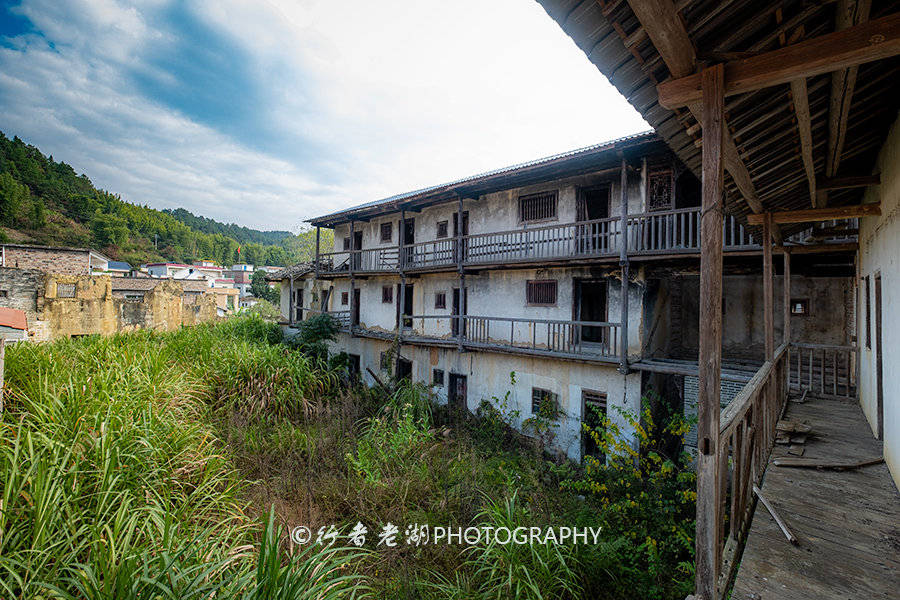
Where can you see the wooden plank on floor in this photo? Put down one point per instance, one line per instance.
(848, 522)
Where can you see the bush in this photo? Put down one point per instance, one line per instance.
(647, 499)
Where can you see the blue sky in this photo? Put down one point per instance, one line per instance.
(266, 113)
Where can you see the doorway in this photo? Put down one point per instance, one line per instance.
(465, 232)
(404, 305)
(357, 245)
(593, 414)
(456, 392)
(591, 305)
(404, 368)
(409, 237)
(593, 204)
(354, 312)
(879, 353)
(459, 324)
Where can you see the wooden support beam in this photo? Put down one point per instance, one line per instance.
(710, 352)
(804, 126)
(841, 183)
(318, 234)
(623, 263)
(291, 300)
(813, 215)
(659, 18)
(768, 288)
(786, 293)
(867, 42)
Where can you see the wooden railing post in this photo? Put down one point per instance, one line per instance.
(787, 295)
(768, 288)
(291, 299)
(710, 350)
(318, 233)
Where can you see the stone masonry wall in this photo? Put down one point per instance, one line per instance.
(58, 261)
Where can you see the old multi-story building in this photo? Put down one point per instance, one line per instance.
(53, 259)
(520, 271)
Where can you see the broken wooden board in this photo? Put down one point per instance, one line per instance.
(793, 427)
(796, 450)
(814, 463)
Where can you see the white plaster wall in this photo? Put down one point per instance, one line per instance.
(488, 378)
(879, 252)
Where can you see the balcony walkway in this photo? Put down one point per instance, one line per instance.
(847, 522)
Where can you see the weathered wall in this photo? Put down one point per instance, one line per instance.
(879, 253)
(95, 308)
(55, 260)
(742, 317)
(488, 378)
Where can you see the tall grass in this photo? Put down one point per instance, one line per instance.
(115, 486)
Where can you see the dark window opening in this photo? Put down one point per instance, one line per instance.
(346, 243)
(440, 300)
(544, 402)
(404, 368)
(353, 367)
(538, 207)
(442, 229)
(799, 307)
(387, 294)
(298, 305)
(437, 377)
(345, 298)
(387, 231)
(3, 293)
(385, 361)
(404, 305)
(456, 392)
(540, 292)
(593, 414)
(593, 204)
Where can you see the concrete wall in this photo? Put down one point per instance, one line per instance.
(488, 378)
(95, 308)
(879, 253)
(50, 260)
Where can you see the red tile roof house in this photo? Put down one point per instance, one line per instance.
(13, 327)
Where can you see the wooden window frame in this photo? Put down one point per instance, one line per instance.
(440, 300)
(386, 231)
(387, 294)
(346, 244)
(438, 377)
(538, 395)
(443, 229)
(345, 298)
(533, 294)
(536, 214)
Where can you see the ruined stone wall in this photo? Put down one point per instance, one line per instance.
(65, 305)
(49, 260)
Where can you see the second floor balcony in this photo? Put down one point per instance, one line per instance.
(662, 233)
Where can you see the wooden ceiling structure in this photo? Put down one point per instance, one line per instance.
(794, 145)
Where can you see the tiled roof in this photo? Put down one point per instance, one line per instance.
(13, 318)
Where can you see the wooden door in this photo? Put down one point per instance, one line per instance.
(355, 308)
(456, 392)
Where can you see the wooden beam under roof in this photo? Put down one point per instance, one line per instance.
(867, 42)
(843, 183)
(818, 214)
(661, 21)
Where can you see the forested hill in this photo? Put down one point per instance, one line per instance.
(43, 201)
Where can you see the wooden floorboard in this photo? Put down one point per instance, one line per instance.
(847, 523)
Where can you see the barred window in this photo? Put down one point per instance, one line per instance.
(387, 231)
(544, 402)
(538, 207)
(65, 290)
(440, 300)
(345, 298)
(387, 294)
(540, 292)
(442, 229)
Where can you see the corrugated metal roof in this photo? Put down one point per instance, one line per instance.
(424, 192)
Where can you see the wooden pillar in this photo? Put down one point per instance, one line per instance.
(768, 288)
(350, 260)
(787, 295)
(710, 351)
(318, 234)
(401, 301)
(460, 322)
(291, 299)
(623, 263)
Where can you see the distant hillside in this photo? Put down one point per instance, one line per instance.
(45, 202)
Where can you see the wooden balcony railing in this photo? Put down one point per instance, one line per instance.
(598, 339)
(342, 316)
(828, 371)
(746, 437)
(651, 233)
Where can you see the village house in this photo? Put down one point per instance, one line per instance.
(530, 282)
(59, 260)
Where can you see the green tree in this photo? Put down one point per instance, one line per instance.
(12, 196)
(260, 288)
(109, 230)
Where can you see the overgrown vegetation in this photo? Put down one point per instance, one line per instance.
(172, 465)
(44, 201)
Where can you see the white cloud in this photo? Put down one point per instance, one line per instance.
(406, 94)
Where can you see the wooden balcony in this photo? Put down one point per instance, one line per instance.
(663, 233)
